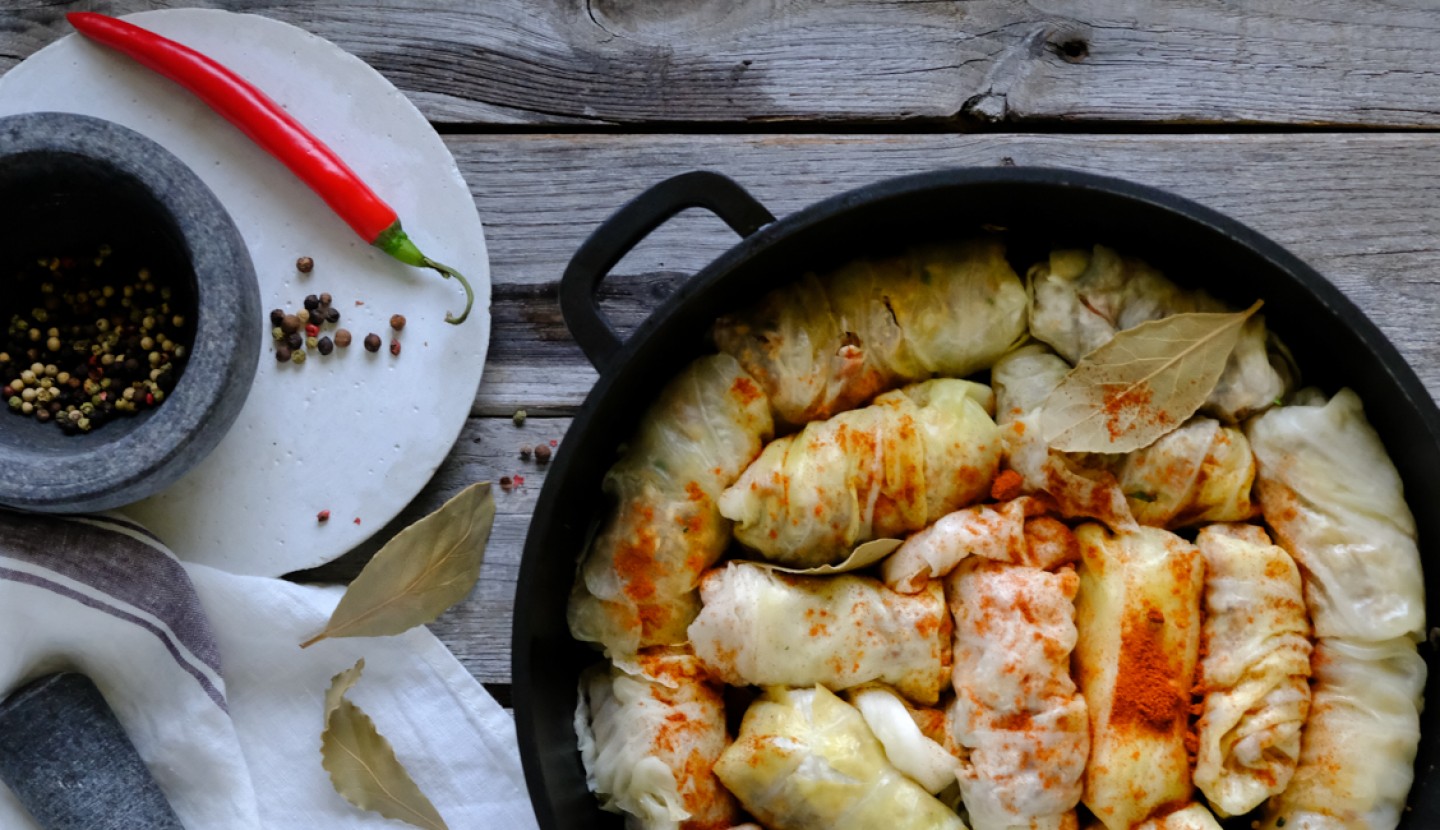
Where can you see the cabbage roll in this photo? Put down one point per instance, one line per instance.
(1138, 616)
(653, 737)
(1200, 472)
(1357, 753)
(824, 345)
(1336, 504)
(636, 587)
(1189, 817)
(1017, 715)
(906, 734)
(804, 760)
(1080, 485)
(766, 628)
(1080, 299)
(1256, 672)
(1012, 531)
(911, 457)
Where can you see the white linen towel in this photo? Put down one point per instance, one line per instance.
(203, 670)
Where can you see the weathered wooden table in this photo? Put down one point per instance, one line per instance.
(1314, 122)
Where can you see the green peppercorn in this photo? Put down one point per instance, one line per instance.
(298, 357)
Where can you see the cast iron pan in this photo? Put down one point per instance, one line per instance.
(1034, 209)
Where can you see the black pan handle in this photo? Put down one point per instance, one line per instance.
(625, 229)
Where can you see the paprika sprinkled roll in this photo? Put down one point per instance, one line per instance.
(275, 131)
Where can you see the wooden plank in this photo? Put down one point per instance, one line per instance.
(976, 63)
(1360, 208)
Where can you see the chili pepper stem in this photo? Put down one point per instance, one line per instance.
(394, 241)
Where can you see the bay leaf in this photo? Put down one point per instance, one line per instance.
(428, 567)
(362, 764)
(863, 556)
(1143, 383)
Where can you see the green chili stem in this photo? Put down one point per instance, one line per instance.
(397, 244)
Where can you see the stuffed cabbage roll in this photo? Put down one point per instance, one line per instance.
(1357, 753)
(911, 457)
(1336, 504)
(1017, 715)
(1082, 486)
(824, 345)
(654, 736)
(636, 587)
(1015, 531)
(1255, 676)
(766, 628)
(1080, 299)
(913, 739)
(1138, 617)
(804, 760)
(1189, 817)
(1199, 472)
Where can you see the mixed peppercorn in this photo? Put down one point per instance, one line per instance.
(90, 339)
(297, 332)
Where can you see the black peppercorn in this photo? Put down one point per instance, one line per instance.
(294, 339)
(332, 315)
(282, 353)
(276, 315)
(372, 342)
(325, 345)
(312, 302)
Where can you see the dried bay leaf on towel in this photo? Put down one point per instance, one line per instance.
(428, 567)
(362, 765)
(1142, 384)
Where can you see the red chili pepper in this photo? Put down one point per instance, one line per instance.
(275, 130)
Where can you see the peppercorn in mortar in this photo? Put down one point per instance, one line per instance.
(90, 338)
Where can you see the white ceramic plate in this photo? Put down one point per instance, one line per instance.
(356, 433)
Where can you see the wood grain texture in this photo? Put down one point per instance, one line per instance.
(972, 62)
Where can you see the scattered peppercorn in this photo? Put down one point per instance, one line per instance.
(304, 264)
(332, 315)
(282, 353)
(397, 322)
(542, 454)
(276, 315)
(395, 347)
(289, 323)
(325, 346)
(519, 480)
(303, 315)
(525, 452)
(518, 418)
(505, 482)
(342, 338)
(312, 330)
(325, 299)
(554, 443)
(311, 302)
(372, 342)
(294, 340)
(298, 356)
(322, 516)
